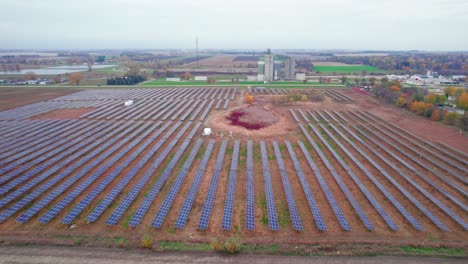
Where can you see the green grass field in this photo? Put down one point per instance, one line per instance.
(348, 69)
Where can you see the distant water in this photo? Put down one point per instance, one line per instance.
(58, 69)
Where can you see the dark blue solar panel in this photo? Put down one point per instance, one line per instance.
(187, 206)
(293, 212)
(229, 202)
(250, 191)
(320, 223)
(270, 198)
(166, 205)
(206, 211)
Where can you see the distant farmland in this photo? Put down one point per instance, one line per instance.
(348, 69)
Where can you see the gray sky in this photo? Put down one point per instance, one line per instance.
(256, 24)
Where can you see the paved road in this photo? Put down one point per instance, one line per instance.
(72, 255)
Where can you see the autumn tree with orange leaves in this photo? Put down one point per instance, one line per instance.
(249, 99)
(75, 78)
(462, 101)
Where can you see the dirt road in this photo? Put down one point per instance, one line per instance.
(71, 255)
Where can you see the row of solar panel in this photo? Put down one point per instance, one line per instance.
(108, 138)
(78, 149)
(410, 218)
(141, 94)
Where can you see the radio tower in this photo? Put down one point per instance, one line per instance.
(196, 44)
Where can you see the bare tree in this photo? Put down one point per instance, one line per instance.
(30, 75)
(90, 62)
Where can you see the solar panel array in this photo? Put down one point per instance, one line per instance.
(111, 176)
(87, 145)
(106, 134)
(326, 190)
(139, 134)
(141, 211)
(187, 206)
(319, 222)
(166, 205)
(250, 190)
(270, 198)
(210, 196)
(449, 212)
(229, 201)
(293, 212)
(388, 220)
(128, 200)
(357, 208)
(45, 165)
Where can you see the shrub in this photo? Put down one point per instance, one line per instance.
(216, 245)
(146, 241)
(451, 118)
(420, 107)
(304, 98)
(436, 115)
(249, 99)
(232, 246)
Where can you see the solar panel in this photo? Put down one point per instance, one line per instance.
(208, 205)
(48, 185)
(166, 205)
(421, 207)
(293, 212)
(330, 197)
(141, 211)
(229, 201)
(319, 222)
(187, 206)
(111, 176)
(128, 200)
(97, 157)
(250, 193)
(357, 208)
(89, 144)
(388, 220)
(270, 198)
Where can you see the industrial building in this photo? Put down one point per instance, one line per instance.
(289, 69)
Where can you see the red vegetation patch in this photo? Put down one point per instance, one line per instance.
(253, 117)
(236, 119)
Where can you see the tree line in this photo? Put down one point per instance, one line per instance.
(425, 103)
(445, 64)
(126, 80)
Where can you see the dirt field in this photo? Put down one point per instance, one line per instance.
(219, 61)
(14, 97)
(371, 127)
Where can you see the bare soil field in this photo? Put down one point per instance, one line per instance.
(331, 63)
(14, 97)
(218, 61)
(369, 126)
(67, 114)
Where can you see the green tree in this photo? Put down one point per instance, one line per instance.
(343, 79)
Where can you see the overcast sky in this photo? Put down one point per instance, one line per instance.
(225, 24)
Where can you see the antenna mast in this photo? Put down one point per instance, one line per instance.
(196, 43)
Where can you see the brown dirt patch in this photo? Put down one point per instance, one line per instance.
(70, 113)
(14, 97)
(280, 122)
